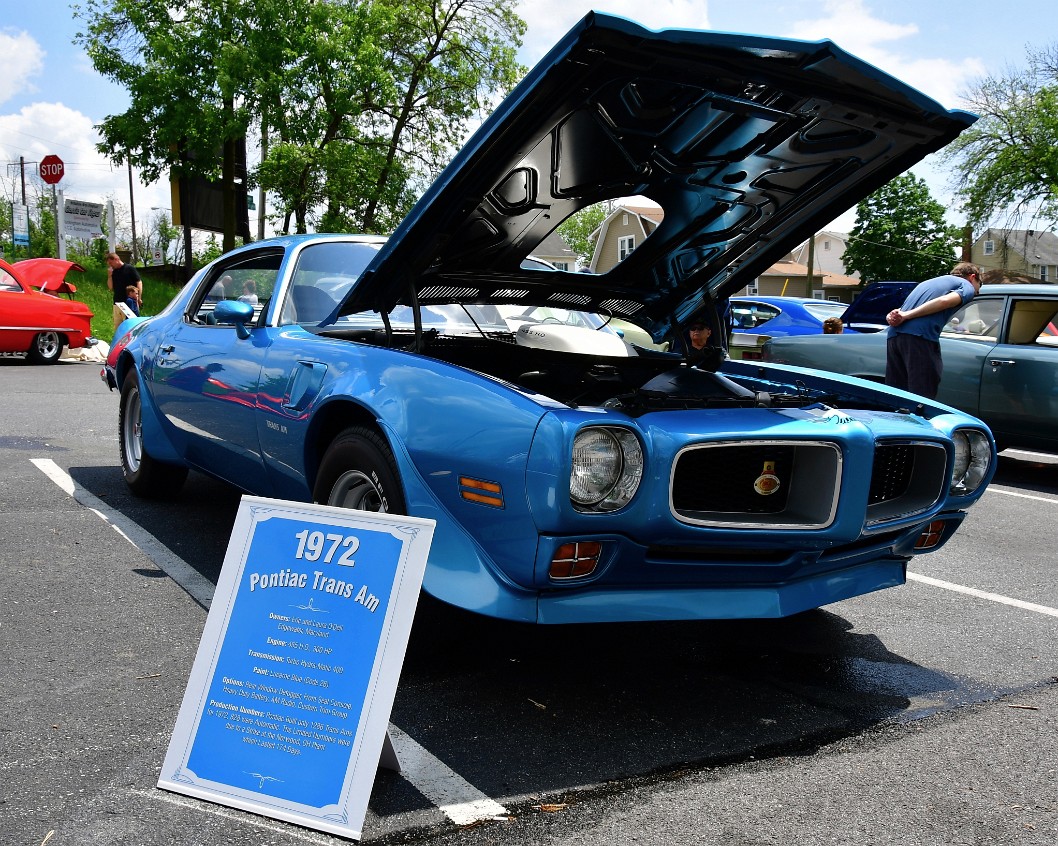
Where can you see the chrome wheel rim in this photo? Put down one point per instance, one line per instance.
(132, 434)
(354, 489)
(48, 344)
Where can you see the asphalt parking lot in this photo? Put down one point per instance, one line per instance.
(926, 713)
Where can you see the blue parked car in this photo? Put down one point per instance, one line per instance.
(573, 477)
(777, 316)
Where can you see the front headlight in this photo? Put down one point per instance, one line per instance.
(606, 469)
(973, 456)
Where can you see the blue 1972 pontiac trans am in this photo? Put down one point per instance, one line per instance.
(575, 477)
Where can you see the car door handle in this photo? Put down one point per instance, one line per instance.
(999, 362)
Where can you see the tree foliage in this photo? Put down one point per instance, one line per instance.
(189, 72)
(1006, 164)
(900, 233)
(361, 103)
(576, 230)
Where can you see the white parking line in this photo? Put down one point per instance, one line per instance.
(459, 800)
(1024, 496)
(982, 594)
(198, 586)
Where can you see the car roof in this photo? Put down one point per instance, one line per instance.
(1042, 289)
(778, 301)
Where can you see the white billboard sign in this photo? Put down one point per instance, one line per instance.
(83, 220)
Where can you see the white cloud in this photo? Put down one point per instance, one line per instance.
(23, 58)
(548, 20)
(856, 29)
(44, 129)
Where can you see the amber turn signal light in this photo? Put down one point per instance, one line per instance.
(575, 560)
(931, 535)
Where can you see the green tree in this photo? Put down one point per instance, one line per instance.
(1006, 164)
(362, 103)
(370, 101)
(900, 233)
(190, 74)
(576, 230)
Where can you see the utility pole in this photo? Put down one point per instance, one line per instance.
(811, 261)
(22, 169)
(260, 189)
(132, 212)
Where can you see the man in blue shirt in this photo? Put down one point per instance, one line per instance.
(913, 360)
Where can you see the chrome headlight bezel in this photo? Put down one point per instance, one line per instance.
(606, 468)
(973, 459)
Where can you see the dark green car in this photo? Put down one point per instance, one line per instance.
(1000, 361)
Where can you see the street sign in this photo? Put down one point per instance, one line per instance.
(51, 169)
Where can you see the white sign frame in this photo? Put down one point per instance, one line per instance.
(261, 742)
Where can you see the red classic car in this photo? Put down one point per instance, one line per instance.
(40, 324)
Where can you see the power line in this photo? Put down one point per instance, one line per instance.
(895, 249)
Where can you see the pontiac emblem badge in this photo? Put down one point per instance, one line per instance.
(767, 482)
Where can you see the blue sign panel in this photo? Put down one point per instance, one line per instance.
(286, 709)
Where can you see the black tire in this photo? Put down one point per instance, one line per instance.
(358, 471)
(46, 348)
(145, 476)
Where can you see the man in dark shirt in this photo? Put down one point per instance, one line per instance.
(119, 277)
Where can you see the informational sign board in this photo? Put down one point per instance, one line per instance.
(20, 224)
(286, 710)
(83, 220)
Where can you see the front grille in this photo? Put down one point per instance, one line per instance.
(907, 478)
(891, 473)
(777, 484)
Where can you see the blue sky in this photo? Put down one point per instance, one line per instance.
(50, 97)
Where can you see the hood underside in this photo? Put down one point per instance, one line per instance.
(749, 144)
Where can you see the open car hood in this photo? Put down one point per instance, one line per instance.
(48, 274)
(867, 312)
(750, 144)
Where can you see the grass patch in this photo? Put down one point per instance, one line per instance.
(92, 290)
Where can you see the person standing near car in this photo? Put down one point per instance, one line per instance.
(913, 359)
(119, 277)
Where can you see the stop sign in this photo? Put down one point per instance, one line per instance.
(51, 169)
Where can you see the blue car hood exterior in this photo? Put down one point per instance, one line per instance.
(750, 144)
(867, 312)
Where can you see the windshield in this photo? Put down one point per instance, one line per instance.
(475, 319)
(823, 309)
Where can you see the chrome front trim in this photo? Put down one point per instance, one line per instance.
(810, 482)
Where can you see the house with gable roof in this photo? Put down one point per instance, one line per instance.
(1016, 253)
(555, 250)
(623, 229)
(627, 226)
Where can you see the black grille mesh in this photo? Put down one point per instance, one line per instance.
(892, 471)
(720, 479)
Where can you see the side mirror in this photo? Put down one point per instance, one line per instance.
(235, 312)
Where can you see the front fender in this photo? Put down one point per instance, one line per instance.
(458, 571)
